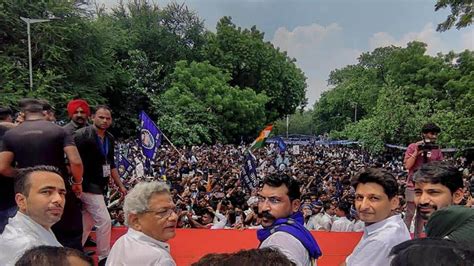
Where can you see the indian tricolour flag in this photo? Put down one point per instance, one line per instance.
(260, 141)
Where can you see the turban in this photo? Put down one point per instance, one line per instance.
(74, 104)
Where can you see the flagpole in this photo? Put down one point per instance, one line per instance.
(171, 143)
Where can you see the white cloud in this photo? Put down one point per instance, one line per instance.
(428, 35)
(318, 50)
(467, 40)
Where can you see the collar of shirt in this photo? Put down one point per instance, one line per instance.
(25, 222)
(379, 226)
(142, 237)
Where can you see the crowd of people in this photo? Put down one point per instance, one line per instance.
(58, 183)
(209, 193)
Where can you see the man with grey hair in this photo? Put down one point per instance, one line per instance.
(151, 220)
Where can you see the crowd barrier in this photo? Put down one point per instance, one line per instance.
(190, 245)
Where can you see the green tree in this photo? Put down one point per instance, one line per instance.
(67, 54)
(256, 64)
(200, 107)
(415, 88)
(300, 122)
(144, 41)
(461, 16)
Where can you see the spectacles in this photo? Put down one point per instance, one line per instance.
(165, 213)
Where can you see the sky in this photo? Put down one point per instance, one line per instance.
(323, 35)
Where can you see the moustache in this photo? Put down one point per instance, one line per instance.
(427, 205)
(267, 215)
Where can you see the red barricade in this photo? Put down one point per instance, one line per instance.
(190, 245)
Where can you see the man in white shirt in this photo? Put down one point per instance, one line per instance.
(150, 215)
(283, 224)
(376, 198)
(322, 221)
(40, 196)
(342, 224)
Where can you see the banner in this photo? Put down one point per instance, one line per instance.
(150, 136)
(124, 167)
(248, 175)
(296, 149)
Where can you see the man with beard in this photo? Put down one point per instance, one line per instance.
(283, 224)
(79, 112)
(96, 146)
(417, 154)
(437, 185)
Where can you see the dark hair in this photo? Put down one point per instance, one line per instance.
(439, 172)
(5, 112)
(279, 179)
(345, 207)
(430, 127)
(48, 255)
(46, 105)
(22, 180)
(206, 211)
(255, 257)
(31, 105)
(378, 176)
(102, 106)
(431, 251)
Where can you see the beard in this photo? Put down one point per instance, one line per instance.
(424, 215)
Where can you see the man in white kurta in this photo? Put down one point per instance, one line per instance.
(149, 213)
(21, 234)
(145, 250)
(40, 197)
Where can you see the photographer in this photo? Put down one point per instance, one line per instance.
(417, 154)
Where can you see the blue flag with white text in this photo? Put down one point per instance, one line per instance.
(150, 136)
(248, 175)
(124, 168)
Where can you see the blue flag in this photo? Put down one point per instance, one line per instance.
(281, 144)
(150, 136)
(248, 175)
(124, 168)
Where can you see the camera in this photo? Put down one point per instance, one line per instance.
(427, 146)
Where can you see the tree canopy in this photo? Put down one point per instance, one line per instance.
(134, 58)
(395, 91)
(462, 14)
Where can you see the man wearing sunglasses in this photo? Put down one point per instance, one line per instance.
(283, 224)
(151, 219)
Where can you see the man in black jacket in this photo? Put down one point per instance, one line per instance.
(39, 142)
(96, 146)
